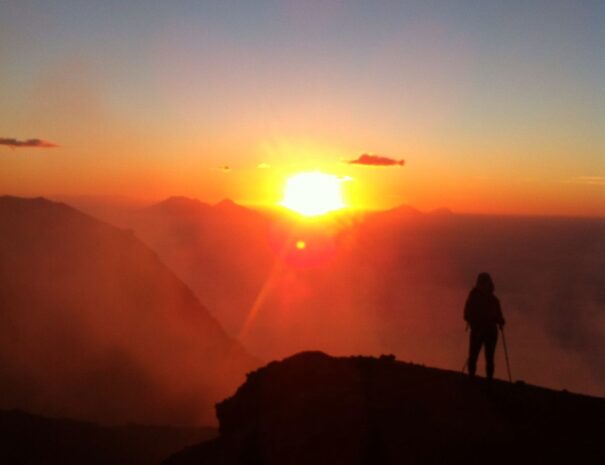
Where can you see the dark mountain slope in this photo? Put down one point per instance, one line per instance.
(223, 252)
(94, 326)
(315, 409)
(35, 440)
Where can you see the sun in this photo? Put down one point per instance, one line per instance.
(313, 194)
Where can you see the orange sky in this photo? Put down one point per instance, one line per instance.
(494, 111)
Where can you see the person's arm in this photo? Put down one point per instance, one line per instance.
(467, 309)
(501, 320)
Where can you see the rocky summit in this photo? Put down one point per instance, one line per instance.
(316, 409)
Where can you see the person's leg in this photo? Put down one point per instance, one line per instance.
(473, 352)
(491, 338)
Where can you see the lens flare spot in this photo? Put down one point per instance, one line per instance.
(300, 245)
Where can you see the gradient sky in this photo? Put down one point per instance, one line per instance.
(495, 106)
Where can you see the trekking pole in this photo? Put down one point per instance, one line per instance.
(465, 366)
(510, 378)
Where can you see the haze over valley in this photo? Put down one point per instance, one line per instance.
(390, 282)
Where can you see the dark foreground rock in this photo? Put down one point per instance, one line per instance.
(27, 439)
(314, 409)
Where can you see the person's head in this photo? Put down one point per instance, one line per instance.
(485, 283)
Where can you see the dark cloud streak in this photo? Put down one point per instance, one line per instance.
(36, 143)
(376, 160)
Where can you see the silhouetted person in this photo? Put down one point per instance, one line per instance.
(483, 314)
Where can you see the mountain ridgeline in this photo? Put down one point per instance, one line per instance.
(94, 326)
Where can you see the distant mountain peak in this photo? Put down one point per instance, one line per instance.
(181, 205)
(442, 211)
(227, 203)
(181, 200)
(407, 209)
(229, 208)
(13, 200)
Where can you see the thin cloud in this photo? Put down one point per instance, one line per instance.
(375, 160)
(35, 143)
(588, 180)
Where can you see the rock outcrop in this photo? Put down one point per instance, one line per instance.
(314, 409)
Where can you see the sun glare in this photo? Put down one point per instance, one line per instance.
(313, 194)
